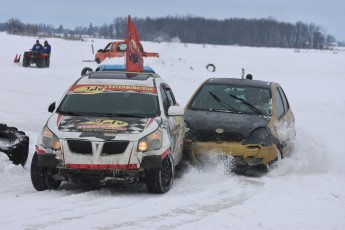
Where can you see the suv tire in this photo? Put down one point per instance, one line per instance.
(160, 180)
(41, 176)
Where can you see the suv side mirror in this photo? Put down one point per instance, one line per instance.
(51, 107)
(175, 110)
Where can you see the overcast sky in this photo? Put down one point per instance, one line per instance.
(329, 14)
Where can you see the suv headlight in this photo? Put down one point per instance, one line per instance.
(153, 141)
(50, 140)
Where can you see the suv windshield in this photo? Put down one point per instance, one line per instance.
(233, 98)
(127, 104)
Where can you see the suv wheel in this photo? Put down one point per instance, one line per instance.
(41, 177)
(160, 180)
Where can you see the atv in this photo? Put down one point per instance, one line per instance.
(35, 57)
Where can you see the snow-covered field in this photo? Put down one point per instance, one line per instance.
(306, 191)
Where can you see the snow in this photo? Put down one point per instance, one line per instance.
(305, 191)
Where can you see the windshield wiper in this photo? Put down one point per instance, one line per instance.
(222, 103)
(250, 106)
(69, 113)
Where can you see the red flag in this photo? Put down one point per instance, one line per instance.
(134, 57)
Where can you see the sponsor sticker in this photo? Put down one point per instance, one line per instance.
(107, 124)
(92, 89)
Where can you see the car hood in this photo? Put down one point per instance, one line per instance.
(105, 128)
(229, 122)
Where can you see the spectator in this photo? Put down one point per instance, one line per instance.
(46, 52)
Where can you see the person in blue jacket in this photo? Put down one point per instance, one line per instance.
(37, 47)
(46, 49)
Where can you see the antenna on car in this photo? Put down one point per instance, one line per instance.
(242, 73)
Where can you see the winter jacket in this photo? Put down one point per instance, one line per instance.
(37, 47)
(46, 49)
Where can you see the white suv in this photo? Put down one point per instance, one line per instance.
(110, 127)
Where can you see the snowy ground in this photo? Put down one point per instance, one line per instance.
(306, 191)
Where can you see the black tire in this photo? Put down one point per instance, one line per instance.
(98, 61)
(41, 177)
(211, 67)
(46, 62)
(85, 71)
(275, 162)
(25, 62)
(37, 175)
(40, 63)
(239, 170)
(160, 180)
(18, 148)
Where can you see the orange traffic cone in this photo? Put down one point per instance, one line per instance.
(16, 58)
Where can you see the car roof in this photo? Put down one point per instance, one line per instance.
(240, 82)
(147, 69)
(120, 77)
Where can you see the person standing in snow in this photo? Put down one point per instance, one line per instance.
(46, 52)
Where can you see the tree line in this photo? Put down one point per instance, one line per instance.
(265, 32)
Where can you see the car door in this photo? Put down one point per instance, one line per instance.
(285, 124)
(120, 50)
(112, 51)
(175, 123)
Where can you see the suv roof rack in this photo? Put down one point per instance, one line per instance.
(147, 69)
(121, 75)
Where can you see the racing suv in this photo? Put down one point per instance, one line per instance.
(109, 127)
(246, 124)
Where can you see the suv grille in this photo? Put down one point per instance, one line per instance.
(205, 136)
(114, 147)
(81, 147)
(109, 148)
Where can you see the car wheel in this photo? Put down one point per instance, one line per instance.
(25, 62)
(160, 180)
(239, 170)
(275, 162)
(41, 177)
(39, 63)
(46, 62)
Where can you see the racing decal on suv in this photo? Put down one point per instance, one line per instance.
(89, 89)
(97, 125)
(92, 89)
(103, 124)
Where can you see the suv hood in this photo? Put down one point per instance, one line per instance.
(105, 128)
(229, 122)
